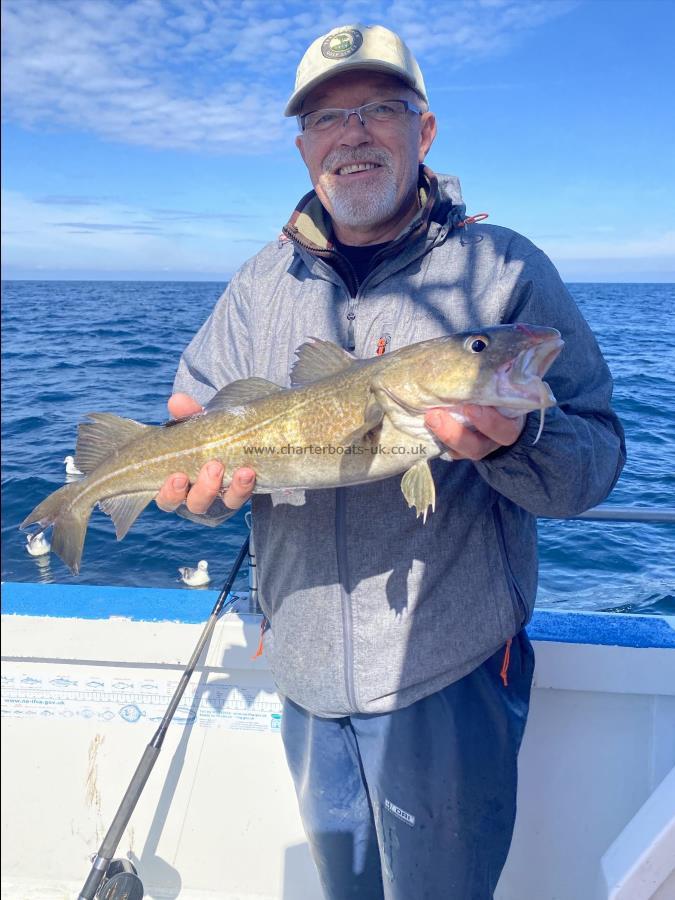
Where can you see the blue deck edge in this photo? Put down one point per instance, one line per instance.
(193, 606)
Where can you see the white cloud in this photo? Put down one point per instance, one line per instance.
(84, 234)
(64, 234)
(212, 74)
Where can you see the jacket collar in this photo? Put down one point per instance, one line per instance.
(310, 225)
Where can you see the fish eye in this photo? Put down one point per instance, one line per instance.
(476, 344)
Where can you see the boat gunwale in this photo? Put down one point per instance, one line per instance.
(101, 602)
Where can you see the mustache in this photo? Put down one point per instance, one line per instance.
(346, 157)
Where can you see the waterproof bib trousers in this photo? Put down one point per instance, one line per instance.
(420, 803)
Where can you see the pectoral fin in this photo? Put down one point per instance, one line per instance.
(418, 488)
(372, 417)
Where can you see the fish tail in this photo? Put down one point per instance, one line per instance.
(69, 513)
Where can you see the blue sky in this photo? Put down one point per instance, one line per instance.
(145, 138)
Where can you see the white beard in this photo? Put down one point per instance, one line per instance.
(362, 206)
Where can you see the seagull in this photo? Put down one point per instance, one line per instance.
(37, 544)
(71, 468)
(197, 576)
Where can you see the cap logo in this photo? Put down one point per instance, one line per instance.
(342, 43)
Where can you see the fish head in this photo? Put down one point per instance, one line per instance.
(501, 366)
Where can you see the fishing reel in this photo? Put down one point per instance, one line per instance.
(120, 882)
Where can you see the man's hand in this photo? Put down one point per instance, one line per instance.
(198, 497)
(493, 430)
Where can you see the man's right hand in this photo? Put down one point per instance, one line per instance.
(199, 496)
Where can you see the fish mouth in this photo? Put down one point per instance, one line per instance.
(520, 379)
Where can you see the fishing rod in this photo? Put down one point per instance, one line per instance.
(117, 879)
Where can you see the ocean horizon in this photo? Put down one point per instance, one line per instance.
(203, 279)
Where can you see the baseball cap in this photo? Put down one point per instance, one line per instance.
(372, 47)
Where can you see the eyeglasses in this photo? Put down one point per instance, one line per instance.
(323, 120)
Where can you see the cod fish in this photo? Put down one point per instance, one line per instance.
(343, 421)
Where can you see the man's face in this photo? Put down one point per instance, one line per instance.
(383, 191)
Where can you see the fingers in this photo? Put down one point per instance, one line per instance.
(240, 489)
(181, 405)
(198, 498)
(173, 492)
(502, 430)
(176, 490)
(460, 440)
(493, 430)
(206, 488)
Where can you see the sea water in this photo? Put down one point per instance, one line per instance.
(69, 348)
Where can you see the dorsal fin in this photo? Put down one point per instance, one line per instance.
(319, 359)
(181, 419)
(101, 436)
(241, 392)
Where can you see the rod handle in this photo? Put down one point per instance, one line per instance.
(119, 823)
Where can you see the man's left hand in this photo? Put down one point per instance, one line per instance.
(493, 430)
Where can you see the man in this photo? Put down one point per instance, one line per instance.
(399, 647)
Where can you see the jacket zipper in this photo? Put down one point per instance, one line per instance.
(355, 296)
(351, 337)
(353, 290)
(346, 272)
(345, 597)
(349, 279)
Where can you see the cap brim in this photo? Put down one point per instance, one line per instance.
(294, 104)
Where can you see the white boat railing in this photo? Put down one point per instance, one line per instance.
(661, 515)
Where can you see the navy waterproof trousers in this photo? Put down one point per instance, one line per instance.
(417, 804)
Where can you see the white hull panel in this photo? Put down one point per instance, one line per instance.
(217, 819)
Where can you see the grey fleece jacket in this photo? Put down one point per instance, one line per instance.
(370, 609)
